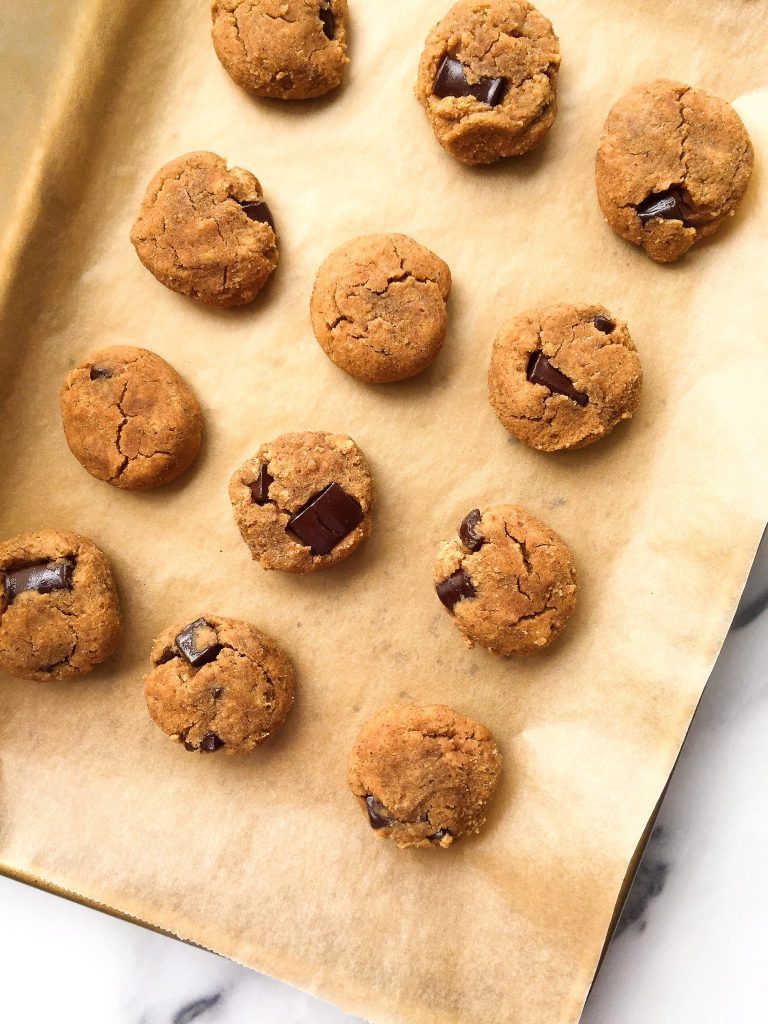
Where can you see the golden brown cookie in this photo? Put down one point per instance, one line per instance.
(59, 615)
(509, 582)
(488, 79)
(378, 307)
(563, 376)
(218, 683)
(304, 501)
(204, 230)
(423, 774)
(673, 162)
(129, 418)
(288, 49)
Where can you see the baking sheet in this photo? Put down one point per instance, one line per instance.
(266, 858)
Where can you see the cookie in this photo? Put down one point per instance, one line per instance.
(129, 418)
(564, 376)
(59, 614)
(673, 162)
(509, 582)
(218, 684)
(488, 79)
(286, 49)
(303, 502)
(204, 230)
(423, 775)
(378, 307)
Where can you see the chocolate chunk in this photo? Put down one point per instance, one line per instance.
(470, 538)
(189, 746)
(668, 205)
(217, 691)
(260, 486)
(326, 519)
(211, 742)
(100, 373)
(42, 578)
(326, 16)
(187, 644)
(441, 832)
(541, 371)
(259, 211)
(451, 80)
(378, 815)
(457, 587)
(602, 323)
(168, 655)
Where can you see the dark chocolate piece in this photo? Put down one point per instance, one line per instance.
(42, 578)
(541, 371)
(189, 746)
(260, 486)
(437, 836)
(457, 587)
(211, 742)
(187, 643)
(326, 519)
(378, 814)
(326, 16)
(470, 538)
(168, 655)
(259, 211)
(217, 691)
(451, 80)
(100, 373)
(602, 323)
(668, 205)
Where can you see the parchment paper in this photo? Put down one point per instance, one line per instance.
(266, 859)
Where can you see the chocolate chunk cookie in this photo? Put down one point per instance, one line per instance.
(59, 614)
(378, 307)
(423, 774)
(288, 49)
(129, 418)
(564, 376)
(218, 683)
(673, 162)
(303, 502)
(204, 230)
(508, 581)
(488, 79)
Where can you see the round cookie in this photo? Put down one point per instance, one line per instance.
(218, 683)
(672, 163)
(488, 79)
(378, 307)
(129, 418)
(509, 581)
(59, 614)
(205, 231)
(303, 502)
(564, 376)
(290, 50)
(423, 774)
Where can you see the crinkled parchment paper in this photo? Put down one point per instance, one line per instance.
(267, 859)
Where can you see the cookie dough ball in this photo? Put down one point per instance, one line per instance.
(378, 307)
(673, 162)
(288, 49)
(423, 774)
(488, 79)
(129, 418)
(59, 615)
(218, 684)
(564, 376)
(303, 502)
(508, 581)
(204, 230)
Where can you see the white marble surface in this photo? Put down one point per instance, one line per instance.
(690, 949)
